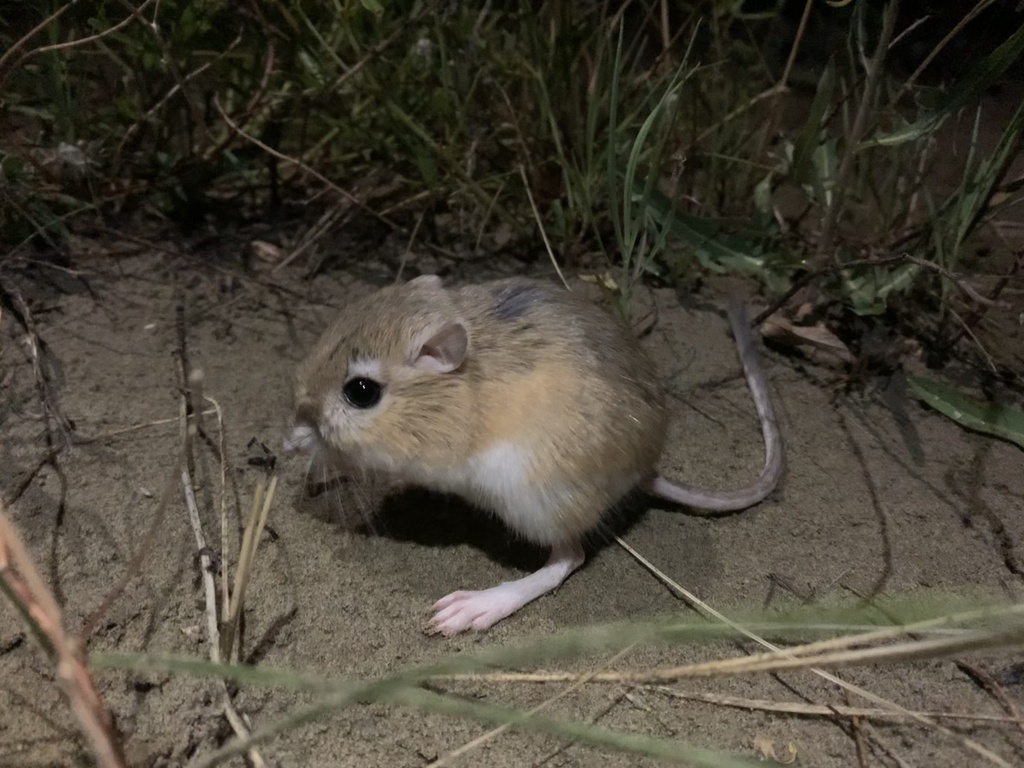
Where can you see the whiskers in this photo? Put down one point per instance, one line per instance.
(369, 489)
(346, 494)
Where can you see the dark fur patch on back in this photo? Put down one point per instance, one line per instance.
(514, 301)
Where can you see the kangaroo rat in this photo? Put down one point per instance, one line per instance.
(518, 395)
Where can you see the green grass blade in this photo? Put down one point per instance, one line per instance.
(811, 134)
(431, 701)
(295, 719)
(801, 622)
(985, 74)
(906, 132)
(988, 174)
(616, 211)
(969, 412)
(968, 90)
(404, 688)
(713, 248)
(593, 735)
(868, 290)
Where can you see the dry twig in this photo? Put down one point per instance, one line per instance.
(832, 653)
(823, 710)
(236, 720)
(495, 732)
(30, 596)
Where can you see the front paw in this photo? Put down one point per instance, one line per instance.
(462, 611)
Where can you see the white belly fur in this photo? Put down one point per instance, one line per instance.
(502, 479)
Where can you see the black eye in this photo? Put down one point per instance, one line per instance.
(362, 392)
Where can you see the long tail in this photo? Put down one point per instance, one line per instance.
(730, 501)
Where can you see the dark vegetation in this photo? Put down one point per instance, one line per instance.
(852, 158)
(671, 139)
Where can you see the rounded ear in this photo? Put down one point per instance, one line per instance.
(430, 282)
(444, 351)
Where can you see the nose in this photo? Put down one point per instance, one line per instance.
(305, 434)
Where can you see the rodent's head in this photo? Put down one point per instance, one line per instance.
(385, 385)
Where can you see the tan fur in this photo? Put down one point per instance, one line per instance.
(547, 373)
(518, 395)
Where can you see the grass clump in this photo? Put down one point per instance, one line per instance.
(188, 111)
(211, 113)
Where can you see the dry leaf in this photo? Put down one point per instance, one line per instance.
(604, 279)
(803, 312)
(765, 748)
(818, 336)
(791, 751)
(267, 252)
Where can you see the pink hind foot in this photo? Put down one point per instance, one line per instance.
(483, 609)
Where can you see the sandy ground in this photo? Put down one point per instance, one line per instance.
(879, 492)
